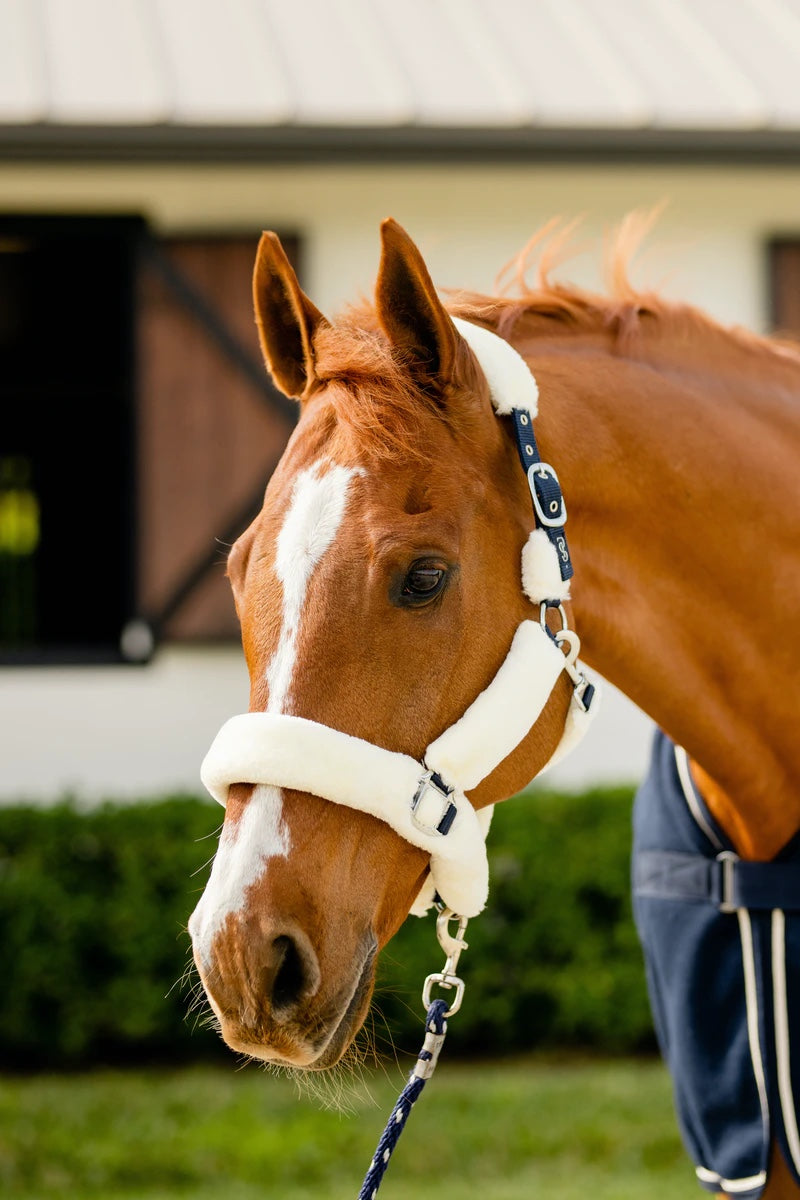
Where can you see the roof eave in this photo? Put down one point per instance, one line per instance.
(411, 143)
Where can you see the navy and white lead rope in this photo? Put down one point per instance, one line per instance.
(435, 1030)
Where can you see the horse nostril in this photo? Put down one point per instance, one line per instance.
(289, 978)
(294, 971)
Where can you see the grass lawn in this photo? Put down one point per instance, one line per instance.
(527, 1129)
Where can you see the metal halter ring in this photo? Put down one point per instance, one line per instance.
(547, 606)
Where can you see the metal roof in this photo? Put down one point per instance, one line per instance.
(399, 73)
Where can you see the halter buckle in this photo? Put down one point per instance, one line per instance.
(432, 783)
(727, 860)
(583, 693)
(548, 502)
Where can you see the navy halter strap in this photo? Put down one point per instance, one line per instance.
(548, 501)
(549, 509)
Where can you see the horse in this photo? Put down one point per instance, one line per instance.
(401, 559)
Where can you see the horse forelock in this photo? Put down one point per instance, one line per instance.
(377, 408)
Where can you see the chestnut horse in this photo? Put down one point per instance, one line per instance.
(379, 591)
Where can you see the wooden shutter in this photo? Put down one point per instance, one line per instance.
(784, 267)
(208, 435)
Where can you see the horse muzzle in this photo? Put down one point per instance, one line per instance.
(264, 983)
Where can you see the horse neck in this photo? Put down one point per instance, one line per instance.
(680, 483)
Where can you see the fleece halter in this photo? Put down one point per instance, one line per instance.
(425, 801)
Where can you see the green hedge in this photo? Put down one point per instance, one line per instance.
(554, 960)
(94, 905)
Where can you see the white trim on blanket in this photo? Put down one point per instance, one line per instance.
(687, 784)
(751, 1001)
(747, 1184)
(781, 1013)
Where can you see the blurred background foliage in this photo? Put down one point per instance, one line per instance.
(94, 905)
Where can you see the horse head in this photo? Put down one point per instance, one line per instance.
(378, 592)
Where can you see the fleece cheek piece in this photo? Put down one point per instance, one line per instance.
(541, 573)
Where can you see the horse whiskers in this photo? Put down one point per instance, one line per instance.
(197, 1003)
(209, 1020)
(197, 1000)
(207, 863)
(386, 1039)
(184, 981)
(345, 1087)
(340, 1088)
(213, 834)
(397, 996)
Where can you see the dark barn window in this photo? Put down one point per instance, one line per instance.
(67, 442)
(138, 431)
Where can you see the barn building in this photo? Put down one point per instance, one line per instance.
(145, 144)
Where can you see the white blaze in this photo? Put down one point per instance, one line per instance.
(258, 834)
(315, 513)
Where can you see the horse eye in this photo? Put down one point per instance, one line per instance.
(423, 583)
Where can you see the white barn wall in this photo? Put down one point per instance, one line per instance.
(128, 732)
(468, 220)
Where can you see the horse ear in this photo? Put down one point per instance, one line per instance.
(410, 311)
(286, 319)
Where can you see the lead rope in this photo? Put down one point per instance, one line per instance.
(435, 1030)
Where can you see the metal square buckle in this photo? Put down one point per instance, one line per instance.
(431, 782)
(551, 510)
(727, 860)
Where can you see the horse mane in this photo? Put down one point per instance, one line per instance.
(375, 400)
(555, 302)
(620, 310)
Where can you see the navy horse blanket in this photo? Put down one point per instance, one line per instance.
(721, 943)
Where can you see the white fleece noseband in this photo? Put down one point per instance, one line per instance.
(425, 801)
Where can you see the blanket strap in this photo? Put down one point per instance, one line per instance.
(726, 881)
